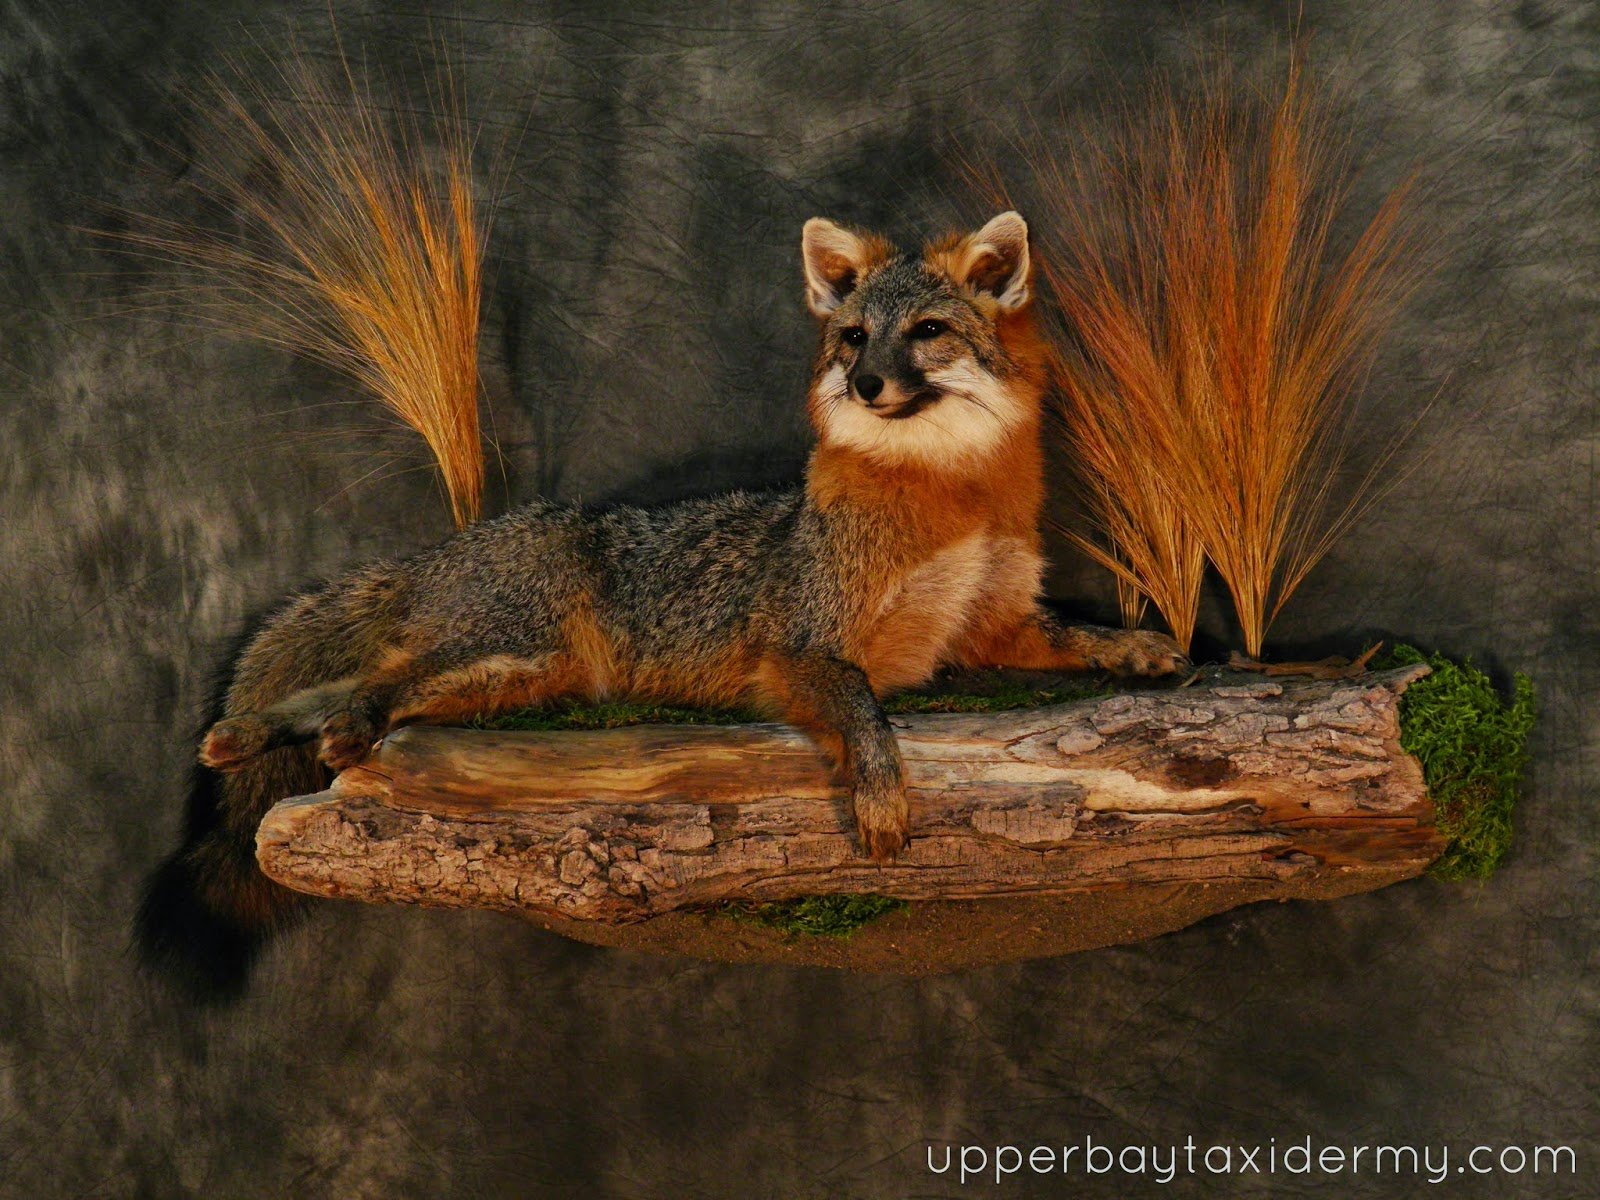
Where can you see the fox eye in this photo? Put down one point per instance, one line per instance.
(927, 329)
(854, 336)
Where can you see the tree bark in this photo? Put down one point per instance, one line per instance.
(1241, 780)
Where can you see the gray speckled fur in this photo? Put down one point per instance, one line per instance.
(664, 580)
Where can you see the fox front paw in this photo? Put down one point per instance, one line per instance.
(883, 818)
(347, 738)
(1140, 652)
(233, 741)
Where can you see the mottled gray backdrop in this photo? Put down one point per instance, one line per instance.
(646, 340)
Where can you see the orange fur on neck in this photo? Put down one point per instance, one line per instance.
(920, 508)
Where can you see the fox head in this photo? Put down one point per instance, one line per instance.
(926, 359)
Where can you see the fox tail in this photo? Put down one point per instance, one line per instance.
(207, 911)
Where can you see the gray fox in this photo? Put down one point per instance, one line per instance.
(913, 543)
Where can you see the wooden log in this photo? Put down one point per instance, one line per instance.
(1266, 783)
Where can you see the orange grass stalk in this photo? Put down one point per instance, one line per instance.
(1144, 540)
(358, 247)
(1207, 378)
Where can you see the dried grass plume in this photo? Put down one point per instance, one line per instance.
(1214, 339)
(357, 244)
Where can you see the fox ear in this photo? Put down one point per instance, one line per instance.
(995, 261)
(834, 259)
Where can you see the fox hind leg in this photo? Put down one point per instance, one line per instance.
(348, 716)
(439, 688)
(235, 740)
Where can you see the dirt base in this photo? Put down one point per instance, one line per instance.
(935, 937)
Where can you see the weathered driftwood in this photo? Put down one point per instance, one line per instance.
(1247, 781)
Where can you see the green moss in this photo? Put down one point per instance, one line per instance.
(610, 715)
(817, 916)
(1473, 746)
(1006, 695)
(1001, 694)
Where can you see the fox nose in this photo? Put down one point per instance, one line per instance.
(868, 387)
